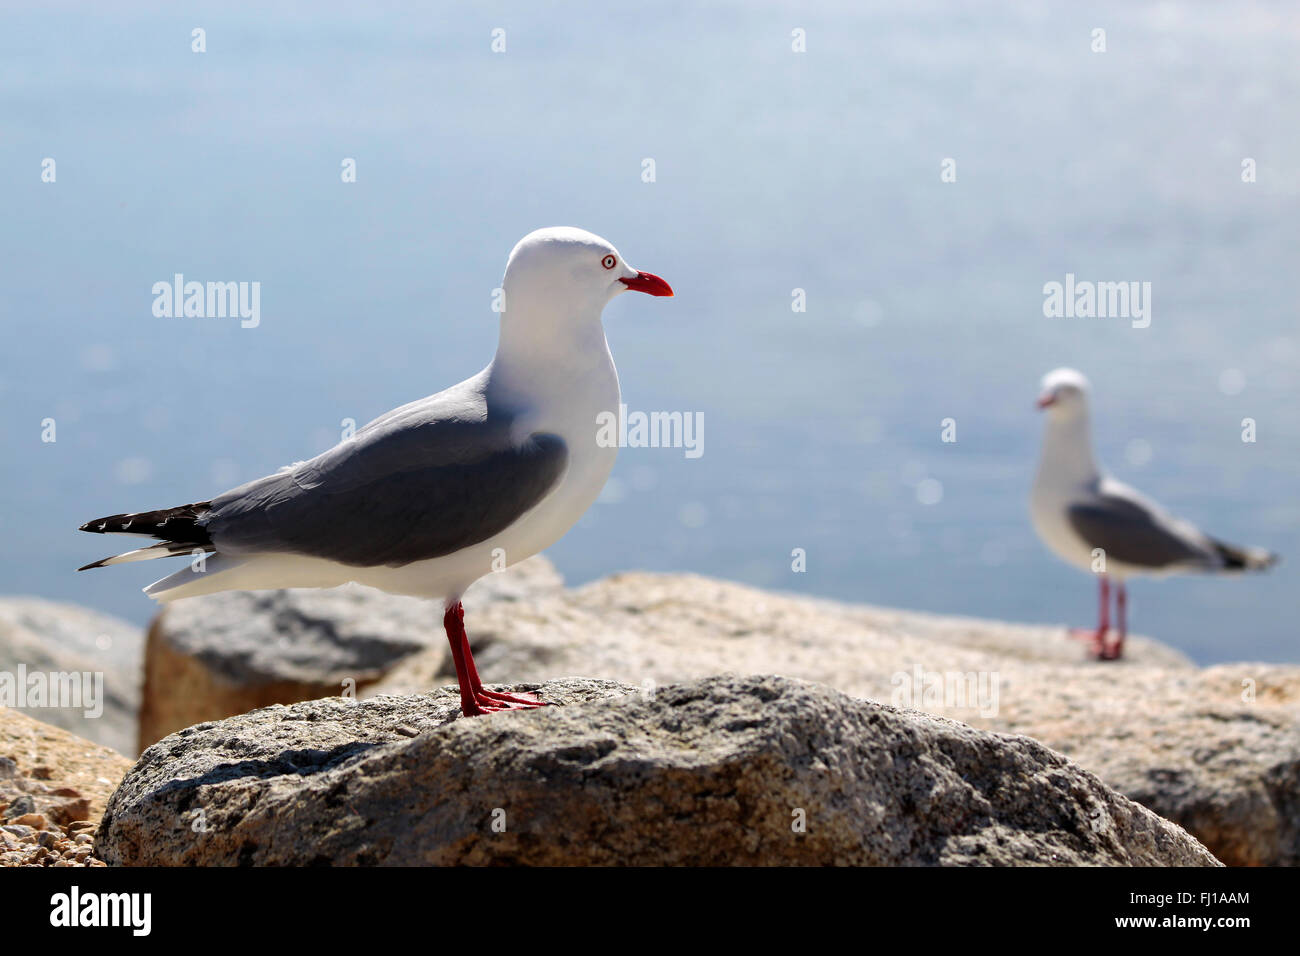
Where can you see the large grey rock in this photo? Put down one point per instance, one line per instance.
(1215, 750)
(223, 654)
(46, 636)
(758, 770)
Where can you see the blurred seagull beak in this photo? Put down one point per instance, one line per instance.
(649, 283)
(1047, 398)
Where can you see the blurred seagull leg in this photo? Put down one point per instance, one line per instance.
(1121, 606)
(1098, 637)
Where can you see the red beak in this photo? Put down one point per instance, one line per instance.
(1045, 400)
(649, 283)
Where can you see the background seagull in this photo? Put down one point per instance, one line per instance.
(1096, 523)
(430, 497)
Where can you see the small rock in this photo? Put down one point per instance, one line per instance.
(34, 820)
(20, 807)
(70, 811)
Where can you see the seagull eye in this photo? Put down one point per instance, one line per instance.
(608, 262)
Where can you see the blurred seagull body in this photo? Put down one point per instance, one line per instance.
(432, 496)
(1103, 526)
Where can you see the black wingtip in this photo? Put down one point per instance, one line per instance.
(95, 564)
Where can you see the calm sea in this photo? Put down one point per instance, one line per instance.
(773, 171)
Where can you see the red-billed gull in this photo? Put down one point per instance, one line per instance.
(1098, 524)
(434, 495)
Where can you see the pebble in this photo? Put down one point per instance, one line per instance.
(46, 837)
(23, 805)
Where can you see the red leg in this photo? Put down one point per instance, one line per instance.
(474, 699)
(1115, 650)
(1098, 637)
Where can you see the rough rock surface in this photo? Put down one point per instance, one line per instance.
(53, 788)
(45, 636)
(1191, 744)
(223, 654)
(757, 770)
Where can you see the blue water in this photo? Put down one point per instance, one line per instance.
(775, 170)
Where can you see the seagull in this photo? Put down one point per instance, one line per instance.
(429, 497)
(1096, 523)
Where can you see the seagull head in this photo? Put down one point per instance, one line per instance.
(571, 271)
(1064, 392)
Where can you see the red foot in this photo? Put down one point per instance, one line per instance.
(526, 700)
(1101, 650)
(489, 702)
(1096, 638)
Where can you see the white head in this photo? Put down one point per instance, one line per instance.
(570, 273)
(1064, 393)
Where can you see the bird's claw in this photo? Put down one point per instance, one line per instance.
(527, 700)
(490, 702)
(1101, 650)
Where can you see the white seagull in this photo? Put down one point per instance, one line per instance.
(432, 496)
(1098, 524)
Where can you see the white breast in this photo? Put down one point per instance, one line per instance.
(1048, 512)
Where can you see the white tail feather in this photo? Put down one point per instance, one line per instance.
(164, 549)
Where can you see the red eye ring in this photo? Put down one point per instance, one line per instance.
(609, 262)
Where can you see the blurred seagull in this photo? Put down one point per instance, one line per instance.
(1096, 523)
(432, 496)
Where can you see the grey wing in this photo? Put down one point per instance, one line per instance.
(1132, 530)
(426, 480)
